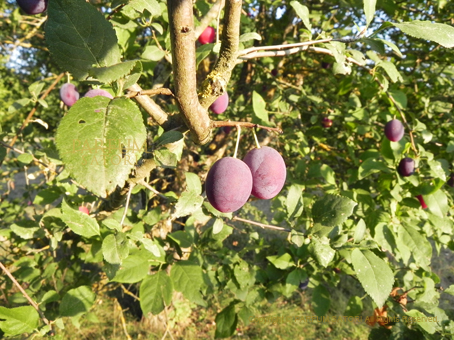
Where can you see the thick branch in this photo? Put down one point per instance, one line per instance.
(181, 25)
(216, 82)
(149, 105)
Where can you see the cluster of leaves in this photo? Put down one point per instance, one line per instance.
(344, 209)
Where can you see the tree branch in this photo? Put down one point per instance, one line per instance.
(149, 105)
(217, 123)
(181, 25)
(216, 82)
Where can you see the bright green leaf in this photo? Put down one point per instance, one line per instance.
(19, 320)
(155, 293)
(332, 210)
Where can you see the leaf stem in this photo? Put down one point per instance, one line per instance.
(262, 225)
(237, 140)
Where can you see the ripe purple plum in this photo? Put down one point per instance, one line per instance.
(406, 167)
(98, 92)
(268, 171)
(394, 130)
(326, 122)
(228, 184)
(69, 94)
(220, 104)
(451, 181)
(33, 6)
(207, 36)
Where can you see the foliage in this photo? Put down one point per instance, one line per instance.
(344, 210)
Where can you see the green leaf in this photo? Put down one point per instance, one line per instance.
(153, 53)
(193, 183)
(354, 306)
(359, 231)
(369, 10)
(374, 274)
(430, 326)
(437, 203)
(133, 269)
(187, 278)
(283, 261)
(169, 137)
(115, 248)
(417, 243)
(155, 293)
(151, 6)
(78, 37)
(226, 322)
(19, 320)
(188, 203)
(391, 71)
(217, 226)
(332, 210)
(250, 36)
(100, 141)
(25, 158)
(392, 45)
(112, 73)
(440, 33)
(358, 56)
(321, 300)
(294, 201)
(202, 52)
(260, 112)
(321, 251)
(77, 301)
(182, 238)
(47, 196)
(80, 223)
(303, 12)
(371, 166)
(19, 104)
(25, 229)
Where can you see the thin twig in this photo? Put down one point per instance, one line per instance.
(252, 50)
(153, 190)
(32, 112)
(122, 319)
(153, 92)
(126, 291)
(24, 293)
(236, 218)
(217, 123)
(131, 186)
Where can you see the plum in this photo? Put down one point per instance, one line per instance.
(451, 181)
(98, 92)
(33, 6)
(406, 167)
(268, 171)
(394, 130)
(207, 36)
(228, 184)
(84, 210)
(326, 122)
(220, 104)
(69, 94)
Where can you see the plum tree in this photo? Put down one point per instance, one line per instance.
(228, 184)
(98, 92)
(421, 200)
(207, 36)
(69, 94)
(394, 130)
(326, 122)
(406, 167)
(220, 104)
(84, 210)
(33, 6)
(268, 171)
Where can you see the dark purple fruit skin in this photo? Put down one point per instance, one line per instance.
(326, 122)
(33, 6)
(228, 184)
(274, 72)
(394, 130)
(69, 94)
(451, 181)
(220, 104)
(406, 167)
(304, 284)
(98, 92)
(268, 171)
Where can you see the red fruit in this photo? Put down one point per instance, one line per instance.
(228, 184)
(421, 200)
(33, 6)
(220, 104)
(207, 36)
(406, 167)
(326, 122)
(84, 210)
(69, 94)
(98, 92)
(268, 171)
(394, 130)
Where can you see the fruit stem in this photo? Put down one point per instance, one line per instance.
(237, 140)
(256, 139)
